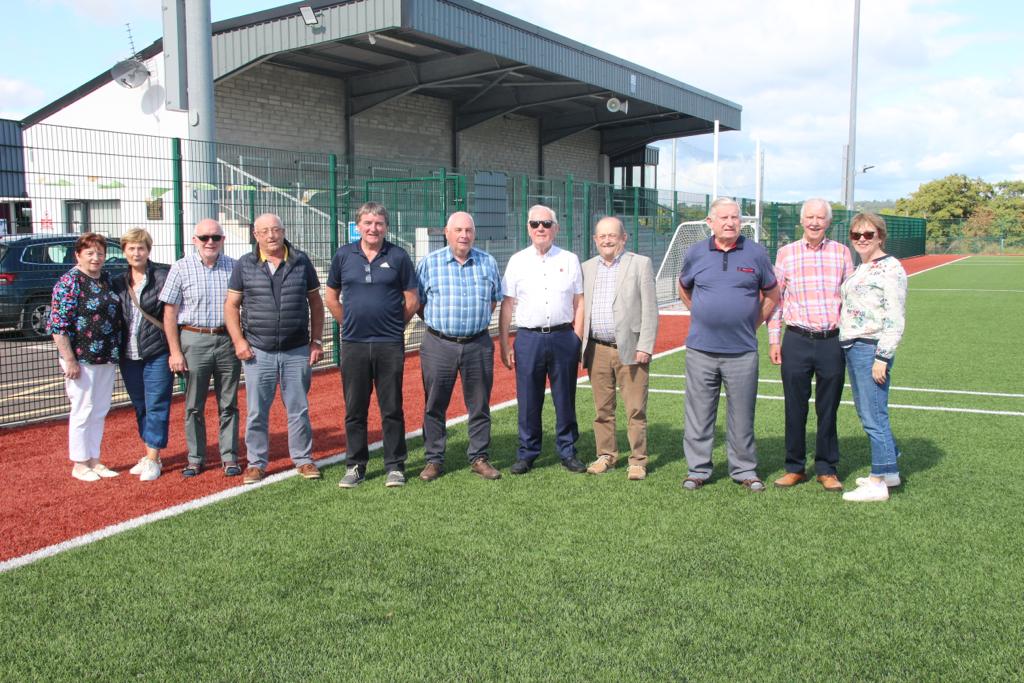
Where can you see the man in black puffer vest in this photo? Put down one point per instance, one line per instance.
(273, 306)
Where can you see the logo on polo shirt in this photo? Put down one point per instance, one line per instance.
(385, 265)
(745, 270)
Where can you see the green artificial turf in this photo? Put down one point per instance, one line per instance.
(565, 577)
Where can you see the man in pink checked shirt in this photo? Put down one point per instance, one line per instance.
(810, 272)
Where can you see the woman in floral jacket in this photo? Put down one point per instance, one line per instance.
(85, 320)
(870, 328)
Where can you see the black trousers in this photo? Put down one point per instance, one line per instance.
(365, 366)
(803, 359)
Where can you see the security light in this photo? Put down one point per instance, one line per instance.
(308, 16)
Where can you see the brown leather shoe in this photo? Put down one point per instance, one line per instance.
(790, 479)
(309, 471)
(253, 475)
(830, 482)
(432, 471)
(484, 469)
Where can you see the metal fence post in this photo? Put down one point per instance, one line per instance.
(586, 220)
(332, 180)
(636, 219)
(179, 208)
(521, 237)
(570, 206)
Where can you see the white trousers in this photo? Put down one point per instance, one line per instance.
(90, 403)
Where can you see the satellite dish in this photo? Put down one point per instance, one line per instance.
(131, 73)
(614, 105)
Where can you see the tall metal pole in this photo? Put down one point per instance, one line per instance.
(202, 131)
(714, 183)
(758, 189)
(673, 186)
(851, 153)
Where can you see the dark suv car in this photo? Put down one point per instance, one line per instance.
(30, 266)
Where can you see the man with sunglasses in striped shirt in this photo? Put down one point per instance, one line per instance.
(200, 347)
(810, 272)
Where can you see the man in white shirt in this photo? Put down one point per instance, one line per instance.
(543, 286)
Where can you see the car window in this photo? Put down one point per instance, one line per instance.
(61, 253)
(41, 254)
(114, 253)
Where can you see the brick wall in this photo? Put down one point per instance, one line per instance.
(271, 106)
(506, 143)
(414, 127)
(577, 154)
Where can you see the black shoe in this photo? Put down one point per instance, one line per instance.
(573, 464)
(521, 467)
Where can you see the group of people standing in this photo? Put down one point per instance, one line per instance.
(213, 317)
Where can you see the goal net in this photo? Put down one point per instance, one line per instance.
(687, 234)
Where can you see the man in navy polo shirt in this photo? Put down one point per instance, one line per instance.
(371, 291)
(728, 284)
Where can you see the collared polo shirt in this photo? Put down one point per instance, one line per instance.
(372, 293)
(458, 298)
(726, 288)
(810, 280)
(199, 291)
(543, 286)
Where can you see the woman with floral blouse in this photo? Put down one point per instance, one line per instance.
(85, 320)
(870, 327)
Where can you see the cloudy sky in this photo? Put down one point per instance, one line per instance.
(941, 82)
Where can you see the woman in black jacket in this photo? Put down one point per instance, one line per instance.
(144, 368)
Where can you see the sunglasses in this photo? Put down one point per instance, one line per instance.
(207, 238)
(537, 224)
(868, 235)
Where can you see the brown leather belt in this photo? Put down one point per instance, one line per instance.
(205, 330)
(604, 343)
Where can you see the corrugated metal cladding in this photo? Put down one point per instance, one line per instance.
(234, 50)
(470, 24)
(12, 160)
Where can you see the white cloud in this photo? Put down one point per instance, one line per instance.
(19, 98)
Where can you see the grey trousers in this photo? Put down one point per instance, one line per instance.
(705, 375)
(263, 373)
(441, 361)
(210, 355)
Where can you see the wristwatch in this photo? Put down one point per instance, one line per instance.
(318, 342)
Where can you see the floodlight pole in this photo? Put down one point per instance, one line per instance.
(202, 130)
(673, 186)
(758, 188)
(851, 150)
(714, 183)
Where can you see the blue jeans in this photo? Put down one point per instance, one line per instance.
(263, 374)
(872, 402)
(149, 383)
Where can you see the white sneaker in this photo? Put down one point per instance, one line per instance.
(104, 471)
(891, 480)
(137, 468)
(151, 470)
(81, 472)
(868, 493)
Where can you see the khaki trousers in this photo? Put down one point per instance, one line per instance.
(606, 372)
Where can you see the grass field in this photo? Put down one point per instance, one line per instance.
(554, 576)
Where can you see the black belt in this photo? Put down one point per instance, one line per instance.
(457, 340)
(814, 334)
(547, 330)
(604, 343)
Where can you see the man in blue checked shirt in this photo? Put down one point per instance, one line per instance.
(459, 287)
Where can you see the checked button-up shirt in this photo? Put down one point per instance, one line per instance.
(457, 297)
(810, 281)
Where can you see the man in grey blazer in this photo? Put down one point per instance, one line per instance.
(620, 323)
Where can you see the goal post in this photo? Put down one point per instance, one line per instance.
(686, 235)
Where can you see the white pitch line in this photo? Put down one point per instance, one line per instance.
(941, 409)
(936, 289)
(127, 525)
(941, 265)
(962, 392)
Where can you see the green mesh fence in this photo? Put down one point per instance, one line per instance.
(82, 180)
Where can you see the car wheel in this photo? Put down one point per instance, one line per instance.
(35, 319)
